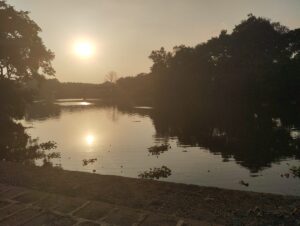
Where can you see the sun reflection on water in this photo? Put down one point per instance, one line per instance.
(84, 103)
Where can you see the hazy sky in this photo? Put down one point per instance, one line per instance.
(124, 32)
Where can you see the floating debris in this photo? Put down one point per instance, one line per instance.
(295, 171)
(85, 162)
(244, 183)
(159, 149)
(156, 173)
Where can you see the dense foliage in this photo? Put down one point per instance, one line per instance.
(259, 62)
(23, 53)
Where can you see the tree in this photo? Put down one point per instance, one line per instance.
(23, 54)
(111, 77)
(23, 57)
(160, 59)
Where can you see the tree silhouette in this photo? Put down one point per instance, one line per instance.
(111, 77)
(23, 57)
(23, 54)
(258, 63)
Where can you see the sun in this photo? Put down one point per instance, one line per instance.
(89, 139)
(84, 49)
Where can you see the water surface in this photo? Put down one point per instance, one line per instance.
(119, 138)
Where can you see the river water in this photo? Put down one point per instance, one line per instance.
(119, 138)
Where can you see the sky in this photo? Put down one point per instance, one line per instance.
(124, 32)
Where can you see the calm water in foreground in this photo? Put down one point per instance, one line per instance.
(120, 139)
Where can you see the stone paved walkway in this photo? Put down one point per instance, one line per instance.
(21, 206)
(32, 195)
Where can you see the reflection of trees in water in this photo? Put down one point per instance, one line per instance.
(17, 146)
(113, 113)
(42, 111)
(254, 136)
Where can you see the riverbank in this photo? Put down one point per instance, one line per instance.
(202, 205)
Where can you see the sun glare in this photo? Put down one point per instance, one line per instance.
(89, 139)
(84, 49)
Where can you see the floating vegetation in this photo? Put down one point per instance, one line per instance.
(85, 162)
(159, 149)
(156, 173)
(295, 171)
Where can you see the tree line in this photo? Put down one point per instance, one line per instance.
(258, 62)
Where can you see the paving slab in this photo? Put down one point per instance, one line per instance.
(3, 204)
(4, 188)
(95, 210)
(60, 203)
(10, 209)
(124, 217)
(12, 192)
(159, 220)
(86, 223)
(20, 217)
(50, 219)
(30, 197)
(189, 222)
